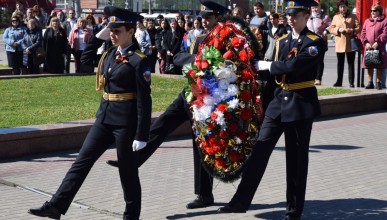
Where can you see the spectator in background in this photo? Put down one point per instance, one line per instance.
(62, 20)
(197, 30)
(187, 31)
(238, 12)
(152, 31)
(276, 31)
(55, 44)
(178, 16)
(92, 25)
(172, 43)
(32, 40)
(29, 15)
(19, 11)
(284, 22)
(344, 26)
(181, 24)
(53, 14)
(13, 38)
(145, 23)
(39, 16)
(159, 19)
(161, 50)
(248, 17)
(187, 18)
(69, 25)
(260, 20)
(318, 22)
(143, 38)
(374, 37)
(78, 39)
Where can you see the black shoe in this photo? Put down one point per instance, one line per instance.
(47, 210)
(351, 86)
(370, 85)
(337, 84)
(379, 86)
(113, 163)
(201, 202)
(237, 208)
(288, 217)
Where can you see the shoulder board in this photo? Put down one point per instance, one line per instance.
(282, 37)
(140, 54)
(194, 42)
(312, 36)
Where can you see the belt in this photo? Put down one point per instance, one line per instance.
(295, 86)
(119, 97)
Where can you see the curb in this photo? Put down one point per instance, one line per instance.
(35, 139)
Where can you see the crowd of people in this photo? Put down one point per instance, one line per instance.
(59, 36)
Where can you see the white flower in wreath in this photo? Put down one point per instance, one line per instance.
(237, 140)
(223, 84)
(220, 118)
(232, 90)
(232, 104)
(209, 100)
(217, 95)
(201, 114)
(226, 71)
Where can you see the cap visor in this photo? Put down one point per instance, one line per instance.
(293, 10)
(104, 34)
(205, 14)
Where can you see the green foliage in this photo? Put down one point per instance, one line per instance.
(334, 91)
(29, 101)
(47, 100)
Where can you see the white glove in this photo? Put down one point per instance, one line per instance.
(103, 34)
(262, 65)
(138, 145)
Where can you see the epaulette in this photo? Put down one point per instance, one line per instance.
(193, 44)
(312, 36)
(140, 54)
(282, 37)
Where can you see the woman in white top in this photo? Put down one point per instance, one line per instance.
(197, 30)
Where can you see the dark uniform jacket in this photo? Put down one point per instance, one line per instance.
(130, 77)
(293, 105)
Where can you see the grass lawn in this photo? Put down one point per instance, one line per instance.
(30, 101)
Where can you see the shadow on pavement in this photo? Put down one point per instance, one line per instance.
(321, 148)
(337, 209)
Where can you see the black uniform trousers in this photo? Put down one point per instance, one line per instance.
(320, 66)
(297, 137)
(99, 138)
(175, 115)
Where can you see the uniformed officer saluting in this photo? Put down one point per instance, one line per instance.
(291, 111)
(123, 118)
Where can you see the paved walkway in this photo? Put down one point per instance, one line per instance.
(347, 179)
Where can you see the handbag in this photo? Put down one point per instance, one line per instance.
(40, 55)
(356, 44)
(372, 57)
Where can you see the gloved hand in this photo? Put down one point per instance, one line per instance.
(104, 34)
(138, 145)
(262, 65)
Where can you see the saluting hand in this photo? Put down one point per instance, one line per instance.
(138, 145)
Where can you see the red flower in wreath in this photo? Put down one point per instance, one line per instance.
(242, 135)
(233, 127)
(244, 56)
(202, 64)
(246, 114)
(227, 116)
(214, 116)
(223, 134)
(225, 32)
(237, 42)
(221, 163)
(222, 107)
(245, 96)
(247, 75)
(228, 55)
(234, 156)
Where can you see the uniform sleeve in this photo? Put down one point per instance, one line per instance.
(308, 57)
(89, 55)
(144, 101)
